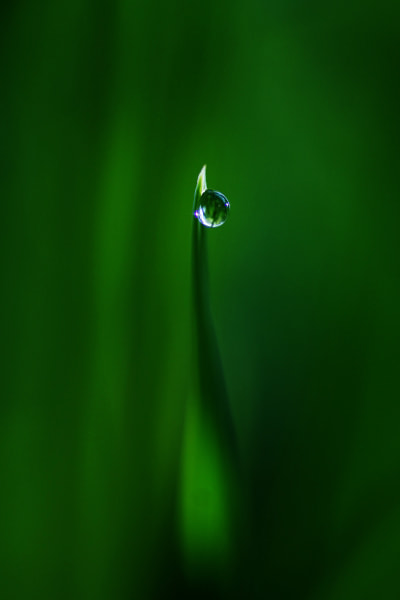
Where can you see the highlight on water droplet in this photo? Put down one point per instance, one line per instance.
(213, 209)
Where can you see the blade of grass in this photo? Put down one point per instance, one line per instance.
(210, 456)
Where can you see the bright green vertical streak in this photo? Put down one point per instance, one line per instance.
(103, 464)
(205, 496)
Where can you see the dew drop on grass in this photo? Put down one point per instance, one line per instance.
(213, 209)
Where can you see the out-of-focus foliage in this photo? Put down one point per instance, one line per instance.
(108, 112)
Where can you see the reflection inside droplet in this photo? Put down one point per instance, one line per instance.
(213, 209)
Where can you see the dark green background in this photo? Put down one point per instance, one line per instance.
(108, 112)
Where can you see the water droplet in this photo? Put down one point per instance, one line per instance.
(213, 209)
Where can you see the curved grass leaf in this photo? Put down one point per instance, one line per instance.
(209, 460)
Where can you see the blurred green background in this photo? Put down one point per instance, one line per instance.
(108, 112)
